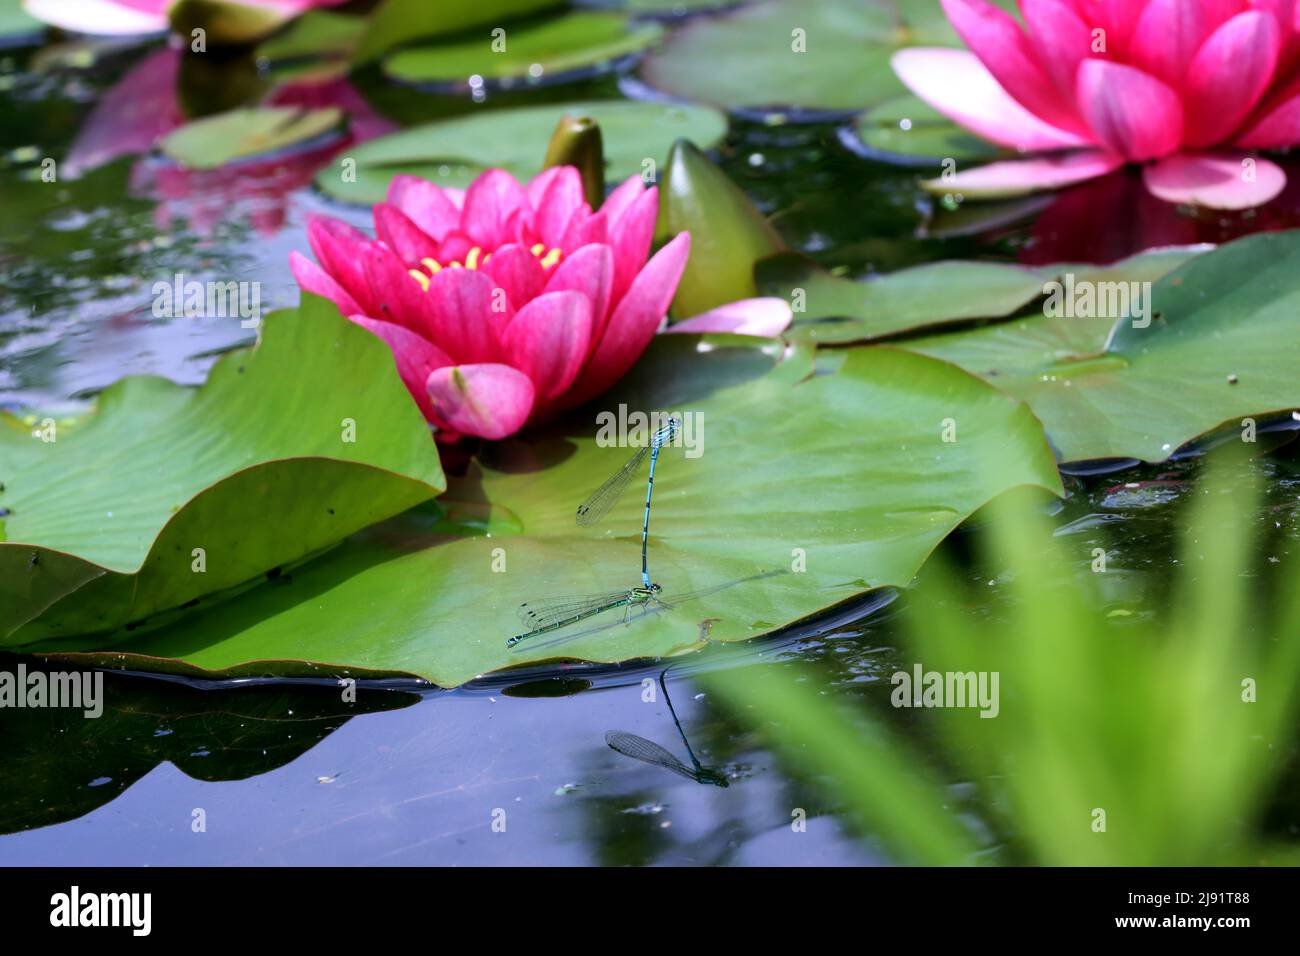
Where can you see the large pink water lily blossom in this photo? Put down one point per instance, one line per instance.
(505, 303)
(131, 17)
(1189, 88)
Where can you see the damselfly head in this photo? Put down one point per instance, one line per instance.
(666, 434)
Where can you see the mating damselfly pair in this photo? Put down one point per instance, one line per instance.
(552, 614)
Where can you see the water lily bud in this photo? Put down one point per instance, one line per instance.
(577, 142)
(223, 23)
(728, 233)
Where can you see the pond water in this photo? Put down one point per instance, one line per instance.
(287, 773)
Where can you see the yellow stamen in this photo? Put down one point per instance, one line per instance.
(433, 265)
(538, 249)
(471, 260)
(456, 265)
(421, 278)
(551, 259)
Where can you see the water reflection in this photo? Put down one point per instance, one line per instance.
(647, 751)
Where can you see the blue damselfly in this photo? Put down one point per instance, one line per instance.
(604, 497)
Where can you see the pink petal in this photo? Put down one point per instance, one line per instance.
(767, 317)
(634, 322)
(138, 111)
(1284, 11)
(101, 17)
(1130, 112)
(1229, 74)
(432, 208)
(590, 271)
(339, 249)
(400, 233)
(517, 271)
(490, 202)
(454, 247)
(415, 356)
(632, 233)
(1166, 37)
(1062, 40)
(561, 199)
(1115, 17)
(585, 228)
(1218, 181)
(1022, 176)
(549, 339)
(1279, 127)
(627, 193)
(488, 400)
(995, 37)
(466, 327)
(1218, 12)
(396, 295)
(538, 185)
(956, 84)
(312, 278)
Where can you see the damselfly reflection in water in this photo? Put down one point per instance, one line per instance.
(647, 751)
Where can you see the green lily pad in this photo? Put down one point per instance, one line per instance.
(249, 134)
(836, 310)
(255, 468)
(906, 129)
(452, 152)
(16, 24)
(396, 22)
(660, 8)
(790, 55)
(1213, 353)
(807, 490)
(535, 50)
(315, 34)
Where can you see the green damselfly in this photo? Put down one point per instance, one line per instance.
(556, 613)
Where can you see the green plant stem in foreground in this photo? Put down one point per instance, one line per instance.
(1142, 739)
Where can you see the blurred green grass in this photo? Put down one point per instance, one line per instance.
(1121, 738)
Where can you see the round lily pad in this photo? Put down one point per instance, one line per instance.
(452, 152)
(1196, 349)
(17, 27)
(908, 130)
(248, 134)
(743, 541)
(662, 9)
(536, 51)
(790, 57)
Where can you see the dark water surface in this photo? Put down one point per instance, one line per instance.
(288, 773)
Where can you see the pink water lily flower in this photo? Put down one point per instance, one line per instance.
(504, 303)
(1186, 87)
(130, 17)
